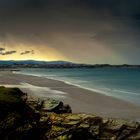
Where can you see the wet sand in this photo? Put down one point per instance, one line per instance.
(80, 99)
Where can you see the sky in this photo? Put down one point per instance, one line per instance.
(81, 31)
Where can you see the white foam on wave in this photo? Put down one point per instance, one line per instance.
(128, 92)
(44, 91)
(40, 91)
(70, 83)
(11, 86)
(17, 72)
(81, 86)
(116, 93)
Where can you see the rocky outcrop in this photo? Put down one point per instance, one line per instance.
(48, 105)
(89, 127)
(26, 118)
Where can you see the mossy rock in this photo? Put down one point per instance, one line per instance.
(10, 95)
(10, 100)
(14, 113)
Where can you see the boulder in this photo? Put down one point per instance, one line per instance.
(48, 105)
(55, 106)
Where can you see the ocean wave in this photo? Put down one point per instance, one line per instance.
(92, 85)
(128, 92)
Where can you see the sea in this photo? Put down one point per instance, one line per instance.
(121, 83)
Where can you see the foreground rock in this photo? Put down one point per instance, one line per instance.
(48, 105)
(88, 127)
(24, 118)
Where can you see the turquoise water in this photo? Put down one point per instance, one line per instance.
(121, 83)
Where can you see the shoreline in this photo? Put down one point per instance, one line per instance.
(80, 99)
(104, 93)
(69, 83)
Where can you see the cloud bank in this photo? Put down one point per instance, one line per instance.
(92, 31)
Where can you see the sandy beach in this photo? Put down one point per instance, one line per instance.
(80, 99)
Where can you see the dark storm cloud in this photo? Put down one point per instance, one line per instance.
(60, 23)
(27, 52)
(116, 7)
(8, 52)
(2, 49)
(21, 2)
(26, 16)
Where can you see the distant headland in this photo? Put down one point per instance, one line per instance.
(57, 64)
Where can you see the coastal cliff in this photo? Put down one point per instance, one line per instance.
(23, 118)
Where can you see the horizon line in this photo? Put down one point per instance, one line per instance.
(69, 62)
